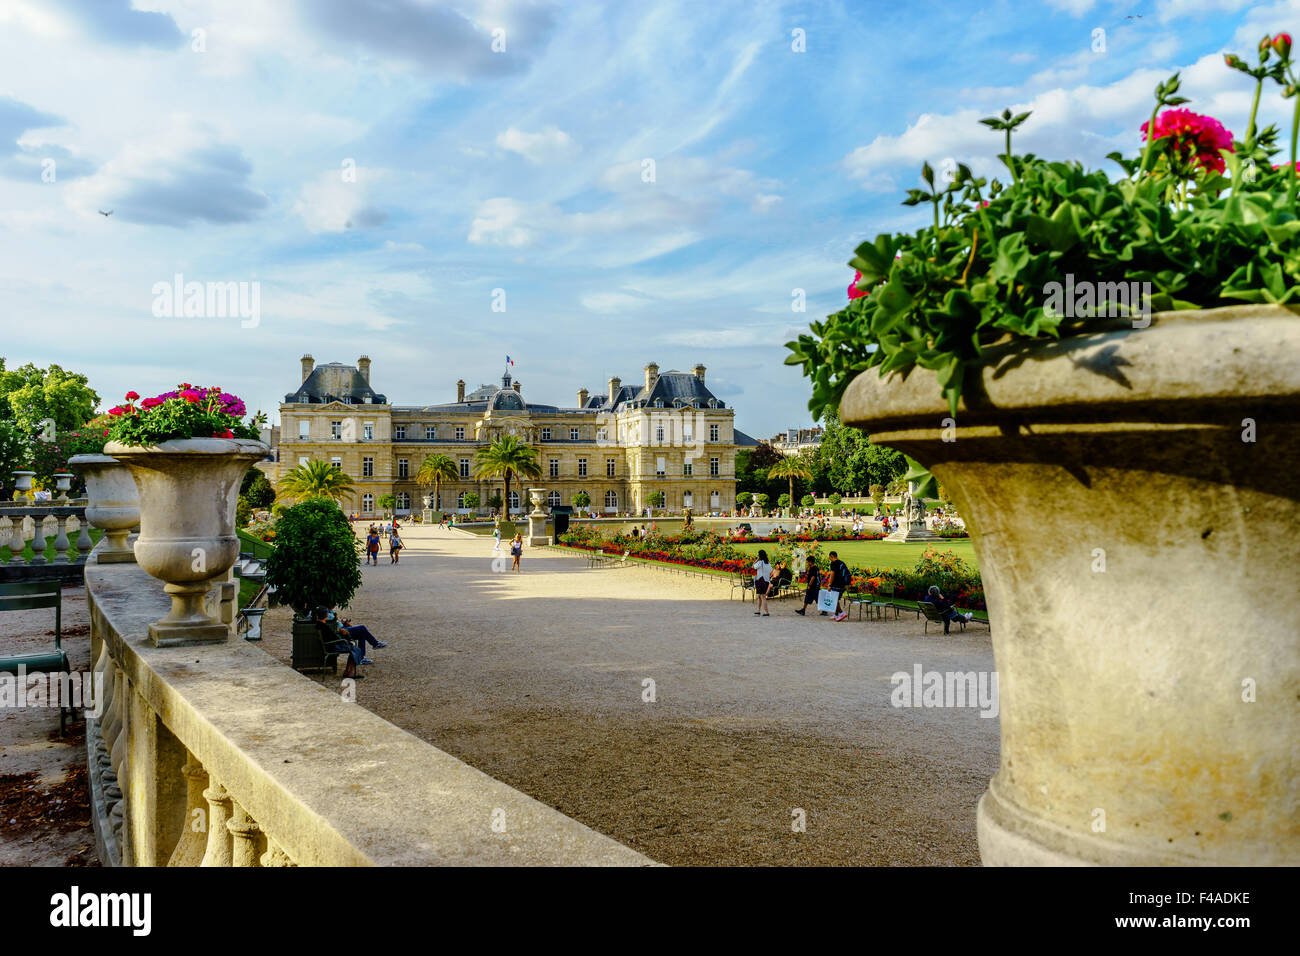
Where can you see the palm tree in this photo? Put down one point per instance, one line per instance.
(314, 479)
(434, 470)
(505, 458)
(791, 468)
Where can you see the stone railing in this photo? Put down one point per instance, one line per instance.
(42, 526)
(219, 755)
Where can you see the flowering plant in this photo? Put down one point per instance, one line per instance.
(189, 411)
(1198, 220)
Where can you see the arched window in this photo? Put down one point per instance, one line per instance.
(403, 500)
(514, 501)
(460, 500)
(611, 500)
(553, 499)
(367, 503)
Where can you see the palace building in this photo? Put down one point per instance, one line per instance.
(667, 433)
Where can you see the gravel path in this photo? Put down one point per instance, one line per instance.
(537, 678)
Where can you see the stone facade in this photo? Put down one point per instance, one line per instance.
(665, 433)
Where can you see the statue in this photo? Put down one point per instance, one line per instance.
(798, 562)
(916, 510)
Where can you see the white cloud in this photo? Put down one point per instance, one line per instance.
(548, 146)
(1168, 10)
(498, 222)
(1075, 8)
(609, 303)
(328, 203)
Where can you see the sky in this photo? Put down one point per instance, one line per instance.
(586, 187)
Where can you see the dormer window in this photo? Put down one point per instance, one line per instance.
(659, 403)
(713, 403)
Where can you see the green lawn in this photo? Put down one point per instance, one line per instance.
(881, 554)
(50, 553)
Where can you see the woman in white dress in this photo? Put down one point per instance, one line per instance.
(762, 581)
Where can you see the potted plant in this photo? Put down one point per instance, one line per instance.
(316, 562)
(1127, 467)
(112, 505)
(187, 450)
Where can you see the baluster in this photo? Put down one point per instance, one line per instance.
(61, 540)
(84, 544)
(38, 539)
(275, 855)
(246, 837)
(6, 531)
(193, 843)
(17, 540)
(219, 848)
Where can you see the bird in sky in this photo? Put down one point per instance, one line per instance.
(109, 213)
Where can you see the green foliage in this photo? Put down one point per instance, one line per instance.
(506, 458)
(982, 272)
(783, 501)
(317, 557)
(471, 500)
(257, 488)
(243, 511)
(655, 499)
(761, 500)
(581, 499)
(852, 463)
(434, 470)
(48, 457)
(834, 498)
(31, 396)
(315, 479)
(494, 500)
(744, 498)
(14, 455)
(807, 501)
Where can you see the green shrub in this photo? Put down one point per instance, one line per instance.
(317, 558)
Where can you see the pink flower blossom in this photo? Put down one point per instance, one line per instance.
(1194, 136)
(854, 292)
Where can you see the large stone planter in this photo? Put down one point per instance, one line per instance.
(187, 536)
(1134, 501)
(112, 505)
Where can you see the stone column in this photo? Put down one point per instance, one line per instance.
(537, 536)
(155, 793)
(219, 851)
(193, 840)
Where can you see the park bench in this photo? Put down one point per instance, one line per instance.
(878, 603)
(315, 647)
(31, 595)
(744, 583)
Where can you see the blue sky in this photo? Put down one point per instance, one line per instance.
(222, 155)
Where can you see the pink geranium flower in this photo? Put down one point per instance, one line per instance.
(1194, 136)
(854, 292)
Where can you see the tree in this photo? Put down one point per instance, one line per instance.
(494, 500)
(753, 469)
(744, 498)
(46, 402)
(505, 458)
(434, 470)
(14, 455)
(471, 500)
(761, 500)
(387, 502)
(257, 489)
(655, 499)
(851, 462)
(790, 468)
(317, 557)
(581, 499)
(315, 479)
(783, 501)
(877, 495)
(807, 501)
(834, 498)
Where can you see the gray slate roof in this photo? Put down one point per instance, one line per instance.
(335, 382)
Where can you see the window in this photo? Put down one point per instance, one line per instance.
(713, 403)
(553, 499)
(601, 434)
(336, 430)
(688, 500)
(367, 502)
(464, 467)
(555, 468)
(403, 500)
(713, 433)
(573, 434)
(713, 467)
(659, 403)
(430, 432)
(714, 501)
(514, 501)
(403, 467)
(399, 433)
(660, 469)
(460, 434)
(546, 434)
(368, 431)
(609, 467)
(304, 429)
(337, 462)
(688, 469)
(582, 468)
(611, 500)
(367, 467)
(303, 459)
(688, 431)
(460, 500)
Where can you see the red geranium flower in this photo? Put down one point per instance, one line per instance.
(132, 396)
(116, 410)
(854, 293)
(1194, 137)
(224, 433)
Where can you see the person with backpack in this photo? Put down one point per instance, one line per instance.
(372, 546)
(839, 584)
(814, 579)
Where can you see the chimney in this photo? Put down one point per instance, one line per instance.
(363, 366)
(308, 363)
(460, 390)
(583, 395)
(651, 376)
(615, 384)
(517, 386)
(699, 373)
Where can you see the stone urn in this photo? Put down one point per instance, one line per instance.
(1133, 496)
(23, 483)
(63, 482)
(112, 505)
(537, 535)
(187, 524)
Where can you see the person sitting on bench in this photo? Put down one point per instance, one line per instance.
(349, 632)
(944, 607)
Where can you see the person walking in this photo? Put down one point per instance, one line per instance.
(762, 581)
(814, 579)
(496, 538)
(839, 584)
(372, 546)
(395, 547)
(516, 551)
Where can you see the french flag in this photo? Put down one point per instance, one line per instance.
(508, 360)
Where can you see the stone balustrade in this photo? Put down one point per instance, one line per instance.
(63, 526)
(219, 755)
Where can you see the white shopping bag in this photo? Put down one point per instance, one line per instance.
(828, 600)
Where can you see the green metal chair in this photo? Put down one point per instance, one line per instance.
(33, 595)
